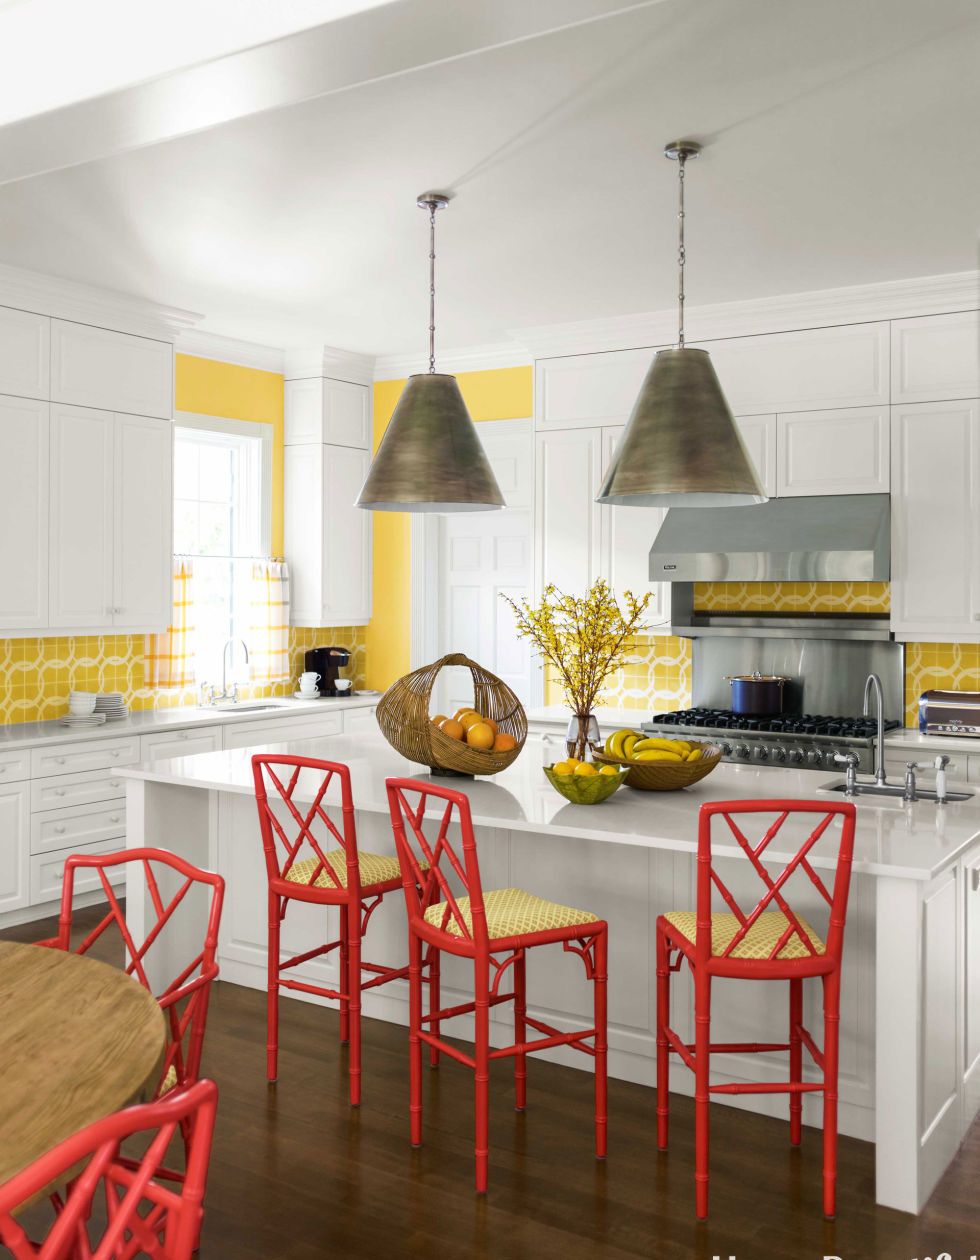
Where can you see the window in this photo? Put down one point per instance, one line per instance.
(222, 490)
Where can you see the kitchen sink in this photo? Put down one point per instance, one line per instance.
(894, 790)
(231, 707)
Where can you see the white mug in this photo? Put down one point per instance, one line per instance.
(342, 684)
(309, 678)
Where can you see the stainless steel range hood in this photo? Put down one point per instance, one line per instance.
(827, 538)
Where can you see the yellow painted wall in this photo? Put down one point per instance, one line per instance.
(237, 393)
(498, 394)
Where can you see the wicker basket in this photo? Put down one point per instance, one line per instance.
(403, 715)
(665, 776)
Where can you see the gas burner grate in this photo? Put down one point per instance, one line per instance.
(783, 724)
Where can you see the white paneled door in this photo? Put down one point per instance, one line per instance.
(482, 556)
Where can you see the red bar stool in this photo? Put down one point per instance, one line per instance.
(300, 869)
(136, 1214)
(482, 926)
(765, 944)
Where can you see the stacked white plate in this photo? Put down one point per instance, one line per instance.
(111, 705)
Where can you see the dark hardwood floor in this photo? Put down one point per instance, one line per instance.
(297, 1175)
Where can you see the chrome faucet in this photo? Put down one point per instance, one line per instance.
(874, 683)
(224, 671)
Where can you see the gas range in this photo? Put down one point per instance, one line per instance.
(806, 741)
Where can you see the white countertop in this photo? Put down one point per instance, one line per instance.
(559, 715)
(911, 737)
(146, 722)
(892, 839)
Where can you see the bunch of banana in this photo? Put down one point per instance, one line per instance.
(627, 745)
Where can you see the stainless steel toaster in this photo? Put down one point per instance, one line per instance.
(950, 713)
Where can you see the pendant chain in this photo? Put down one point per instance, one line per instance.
(681, 253)
(432, 289)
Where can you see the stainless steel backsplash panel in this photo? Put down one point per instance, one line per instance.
(828, 674)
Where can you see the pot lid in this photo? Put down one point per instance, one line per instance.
(759, 678)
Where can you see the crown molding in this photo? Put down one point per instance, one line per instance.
(504, 354)
(208, 345)
(88, 304)
(894, 299)
(331, 362)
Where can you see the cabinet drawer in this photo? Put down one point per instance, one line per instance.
(62, 790)
(15, 766)
(47, 870)
(79, 825)
(357, 721)
(167, 744)
(282, 730)
(101, 754)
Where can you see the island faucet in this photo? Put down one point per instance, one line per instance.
(873, 683)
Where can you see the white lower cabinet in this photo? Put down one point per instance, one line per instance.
(360, 721)
(47, 872)
(935, 587)
(165, 745)
(14, 846)
(282, 730)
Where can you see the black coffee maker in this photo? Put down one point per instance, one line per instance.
(327, 661)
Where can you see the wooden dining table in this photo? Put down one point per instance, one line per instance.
(78, 1040)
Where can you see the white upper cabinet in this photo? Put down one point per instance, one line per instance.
(95, 367)
(586, 390)
(142, 522)
(935, 588)
(833, 452)
(81, 517)
(811, 370)
(23, 513)
(568, 522)
(328, 540)
(25, 351)
(337, 413)
(627, 534)
(759, 435)
(936, 358)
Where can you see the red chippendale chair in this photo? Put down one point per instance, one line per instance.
(184, 999)
(482, 926)
(135, 1215)
(299, 868)
(763, 944)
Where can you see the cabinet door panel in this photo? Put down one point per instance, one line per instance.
(96, 367)
(568, 468)
(168, 744)
(759, 435)
(347, 413)
(936, 357)
(14, 846)
(143, 523)
(347, 534)
(627, 536)
(303, 540)
(586, 390)
(25, 345)
(935, 501)
(834, 452)
(81, 517)
(282, 730)
(23, 513)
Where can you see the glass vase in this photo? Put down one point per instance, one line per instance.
(583, 730)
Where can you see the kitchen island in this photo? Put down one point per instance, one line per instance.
(910, 1038)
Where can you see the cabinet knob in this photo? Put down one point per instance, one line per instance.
(113, 782)
(115, 754)
(60, 791)
(3, 769)
(114, 818)
(60, 761)
(60, 831)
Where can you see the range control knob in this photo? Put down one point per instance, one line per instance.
(726, 749)
(778, 754)
(813, 757)
(796, 756)
(760, 753)
(741, 750)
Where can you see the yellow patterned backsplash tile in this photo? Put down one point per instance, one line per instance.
(36, 675)
(866, 597)
(942, 666)
(655, 679)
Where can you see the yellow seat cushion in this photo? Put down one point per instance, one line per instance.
(512, 912)
(169, 1081)
(760, 940)
(375, 869)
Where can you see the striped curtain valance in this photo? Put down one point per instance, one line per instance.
(268, 638)
(169, 657)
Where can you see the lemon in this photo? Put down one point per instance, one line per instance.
(562, 767)
(572, 761)
(609, 770)
(585, 768)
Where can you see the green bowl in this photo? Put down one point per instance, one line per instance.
(585, 789)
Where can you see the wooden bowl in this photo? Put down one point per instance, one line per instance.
(665, 776)
(403, 716)
(585, 789)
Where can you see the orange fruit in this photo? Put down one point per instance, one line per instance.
(480, 735)
(438, 719)
(504, 742)
(460, 714)
(470, 719)
(452, 728)
(492, 724)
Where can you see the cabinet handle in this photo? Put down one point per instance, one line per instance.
(114, 818)
(182, 734)
(113, 782)
(115, 754)
(59, 831)
(60, 791)
(975, 879)
(3, 769)
(60, 761)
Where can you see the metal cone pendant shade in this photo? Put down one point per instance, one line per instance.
(681, 446)
(430, 458)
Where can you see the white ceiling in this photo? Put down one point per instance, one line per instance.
(841, 149)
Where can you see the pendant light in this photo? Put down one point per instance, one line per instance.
(681, 446)
(430, 458)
